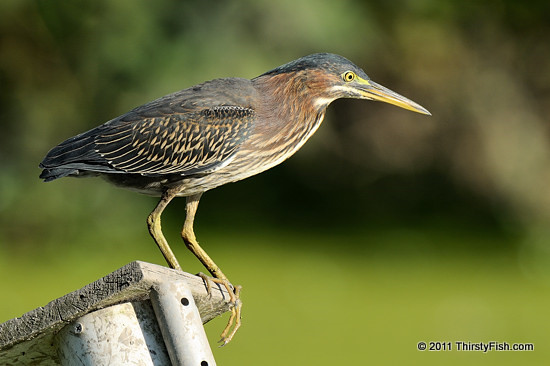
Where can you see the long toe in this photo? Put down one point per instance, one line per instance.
(235, 302)
(234, 322)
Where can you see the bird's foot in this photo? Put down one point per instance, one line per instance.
(235, 302)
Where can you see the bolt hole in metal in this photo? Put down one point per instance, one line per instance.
(185, 302)
(204, 363)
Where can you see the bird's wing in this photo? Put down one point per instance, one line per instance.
(175, 143)
(193, 131)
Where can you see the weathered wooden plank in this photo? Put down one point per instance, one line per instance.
(27, 340)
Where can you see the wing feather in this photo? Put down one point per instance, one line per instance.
(177, 144)
(193, 131)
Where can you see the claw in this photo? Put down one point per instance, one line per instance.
(234, 320)
(206, 279)
(235, 302)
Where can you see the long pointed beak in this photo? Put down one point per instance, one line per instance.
(373, 91)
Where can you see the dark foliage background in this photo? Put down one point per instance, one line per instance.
(386, 229)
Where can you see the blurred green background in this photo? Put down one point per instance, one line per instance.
(387, 228)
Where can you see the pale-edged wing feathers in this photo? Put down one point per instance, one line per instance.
(179, 144)
(196, 130)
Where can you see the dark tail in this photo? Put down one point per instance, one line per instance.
(49, 174)
(75, 157)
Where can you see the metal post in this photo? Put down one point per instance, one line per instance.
(140, 314)
(124, 334)
(164, 330)
(181, 326)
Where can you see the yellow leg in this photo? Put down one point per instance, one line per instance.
(153, 222)
(188, 236)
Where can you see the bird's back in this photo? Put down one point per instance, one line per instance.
(191, 132)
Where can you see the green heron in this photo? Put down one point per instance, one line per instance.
(214, 133)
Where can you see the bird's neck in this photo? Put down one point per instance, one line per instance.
(289, 105)
(286, 117)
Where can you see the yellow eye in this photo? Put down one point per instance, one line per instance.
(348, 76)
